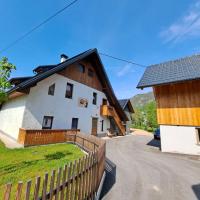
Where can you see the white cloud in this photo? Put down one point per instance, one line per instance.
(188, 26)
(125, 70)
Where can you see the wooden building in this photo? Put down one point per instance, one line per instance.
(176, 86)
(128, 109)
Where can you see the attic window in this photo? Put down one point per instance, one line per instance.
(51, 90)
(69, 91)
(90, 73)
(81, 68)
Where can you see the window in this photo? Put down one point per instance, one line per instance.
(94, 101)
(51, 90)
(81, 68)
(90, 72)
(74, 123)
(69, 91)
(102, 121)
(198, 135)
(47, 122)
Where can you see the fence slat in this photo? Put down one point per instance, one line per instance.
(90, 176)
(44, 190)
(37, 188)
(19, 191)
(28, 189)
(81, 179)
(68, 179)
(52, 184)
(58, 183)
(7, 191)
(77, 180)
(73, 181)
(63, 182)
(86, 177)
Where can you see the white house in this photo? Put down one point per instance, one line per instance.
(128, 109)
(176, 86)
(74, 94)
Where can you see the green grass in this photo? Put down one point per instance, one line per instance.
(27, 163)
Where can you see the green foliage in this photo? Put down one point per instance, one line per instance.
(145, 117)
(5, 71)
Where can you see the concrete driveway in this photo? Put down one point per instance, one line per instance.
(137, 170)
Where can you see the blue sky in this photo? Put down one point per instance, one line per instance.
(144, 31)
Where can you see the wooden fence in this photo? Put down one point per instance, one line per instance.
(29, 137)
(79, 180)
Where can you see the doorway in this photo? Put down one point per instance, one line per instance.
(94, 126)
(104, 101)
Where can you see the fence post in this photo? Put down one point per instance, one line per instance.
(83, 143)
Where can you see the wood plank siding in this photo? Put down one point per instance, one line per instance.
(178, 104)
(72, 72)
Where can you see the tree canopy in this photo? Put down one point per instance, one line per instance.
(5, 72)
(145, 117)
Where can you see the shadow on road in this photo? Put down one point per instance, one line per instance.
(110, 177)
(196, 190)
(154, 143)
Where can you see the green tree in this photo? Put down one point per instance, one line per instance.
(5, 71)
(145, 117)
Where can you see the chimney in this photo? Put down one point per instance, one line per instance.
(63, 58)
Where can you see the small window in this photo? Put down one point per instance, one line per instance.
(198, 135)
(94, 101)
(51, 90)
(69, 91)
(81, 68)
(102, 121)
(47, 122)
(74, 123)
(90, 73)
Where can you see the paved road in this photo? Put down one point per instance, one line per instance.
(139, 171)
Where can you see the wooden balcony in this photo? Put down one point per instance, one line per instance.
(107, 111)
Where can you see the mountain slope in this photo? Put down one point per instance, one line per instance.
(142, 99)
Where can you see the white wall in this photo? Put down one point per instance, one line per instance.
(11, 115)
(179, 139)
(128, 123)
(40, 104)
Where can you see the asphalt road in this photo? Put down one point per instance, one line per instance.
(137, 170)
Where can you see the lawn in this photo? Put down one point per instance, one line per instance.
(27, 163)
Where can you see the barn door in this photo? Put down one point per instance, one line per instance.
(94, 126)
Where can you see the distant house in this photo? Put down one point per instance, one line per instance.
(73, 94)
(176, 86)
(128, 109)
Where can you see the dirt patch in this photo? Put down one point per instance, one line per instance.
(140, 132)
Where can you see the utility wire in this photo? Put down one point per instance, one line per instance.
(36, 27)
(121, 59)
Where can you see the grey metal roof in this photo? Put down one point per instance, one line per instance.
(123, 102)
(180, 70)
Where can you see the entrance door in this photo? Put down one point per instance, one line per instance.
(94, 126)
(104, 101)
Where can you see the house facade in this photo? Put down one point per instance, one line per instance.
(128, 109)
(74, 94)
(176, 86)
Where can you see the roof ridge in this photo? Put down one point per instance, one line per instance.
(175, 60)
